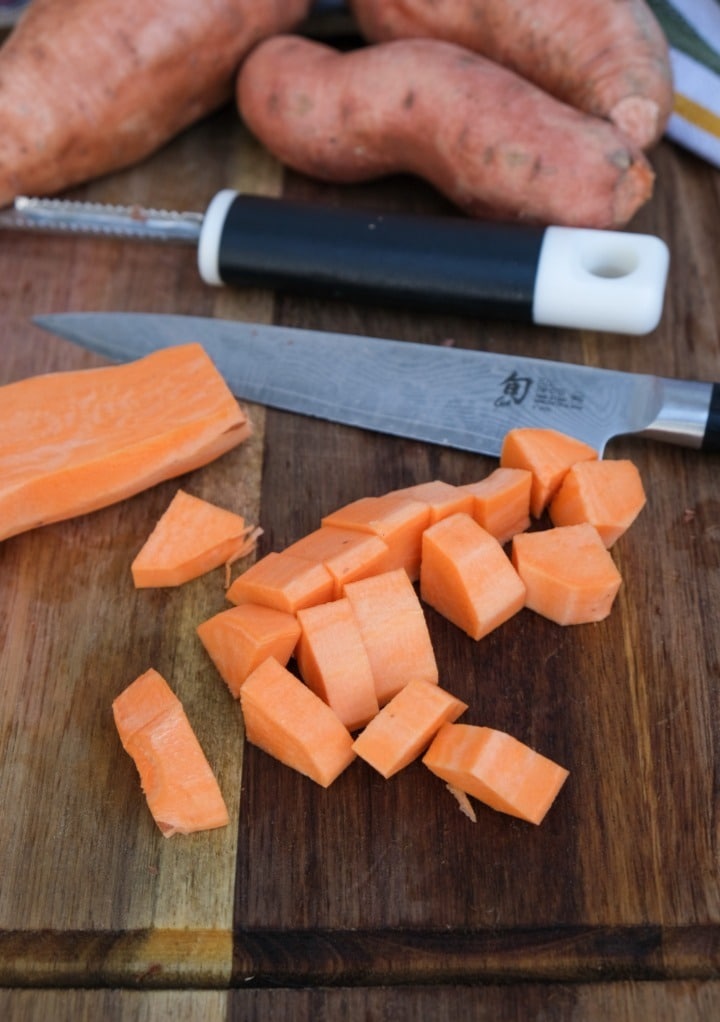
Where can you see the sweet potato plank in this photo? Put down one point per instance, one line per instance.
(495, 144)
(88, 87)
(77, 441)
(608, 59)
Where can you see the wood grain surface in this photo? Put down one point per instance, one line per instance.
(371, 899)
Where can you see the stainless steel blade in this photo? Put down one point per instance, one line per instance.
(444, 395)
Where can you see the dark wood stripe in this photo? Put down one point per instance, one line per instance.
(191, 959)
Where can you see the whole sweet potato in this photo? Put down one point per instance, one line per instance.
(90, 86)
(493, 143)
(606, 57)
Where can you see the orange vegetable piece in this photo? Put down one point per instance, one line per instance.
(181, 790)
(497, 769)
(394, 630)
(568, 572)
(501, 502)
(404, 726)
(239, 639)
(467, 576)
(290, 722)
(191, 538)
(284, 582)
(548, 454)
(396, 519)
(77, 441)
(346, 553)
(333, 661)
(607, 494)
(443, 499)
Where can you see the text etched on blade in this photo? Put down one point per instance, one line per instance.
(543, 393)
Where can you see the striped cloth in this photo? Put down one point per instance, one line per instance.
(692, 28)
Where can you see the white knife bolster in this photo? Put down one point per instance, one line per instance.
(600, 280)
(208, 253)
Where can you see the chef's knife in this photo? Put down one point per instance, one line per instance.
(445, 395)
(560, 276)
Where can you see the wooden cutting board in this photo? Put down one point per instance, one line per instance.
(375, 898)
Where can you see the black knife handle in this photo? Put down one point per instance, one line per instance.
(711, 439)
(448, 263)
(560, 276)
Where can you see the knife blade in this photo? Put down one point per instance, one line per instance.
(451, 396)
(552, 276)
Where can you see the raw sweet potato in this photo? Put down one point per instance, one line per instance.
(497, 769)
(394, 630)
(547, 454)
(568, 573)
(283, 581)
(181, 789)
(608, 494)
(396, 518)
(495, 144)
(191, 537)
(501, 502)
(608, 59)
(347, 554)
(88, 87)
(76, 441)
(467, 577)
(290, 722)
(240, 639)
(404, 727)
(334, 663)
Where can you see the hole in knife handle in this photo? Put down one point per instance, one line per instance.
(611, 262)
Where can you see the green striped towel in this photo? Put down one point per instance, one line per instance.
(692, 28)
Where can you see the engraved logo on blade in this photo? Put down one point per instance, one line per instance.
(515, 389)
(543, 393)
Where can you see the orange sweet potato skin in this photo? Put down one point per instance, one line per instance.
(494, 144)
(606, 57)
(90, 86)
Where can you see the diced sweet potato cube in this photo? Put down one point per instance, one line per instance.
(403, 728)
(283, 581)
(346, 553)
(290, 722)
(501, 502)
(394, 630)
(467, 576)
(333, 661)
(568, 572)
(497, 769)
(607, 494)
(443, 499)
(239, 639)
(548, 454)
(396, 519)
